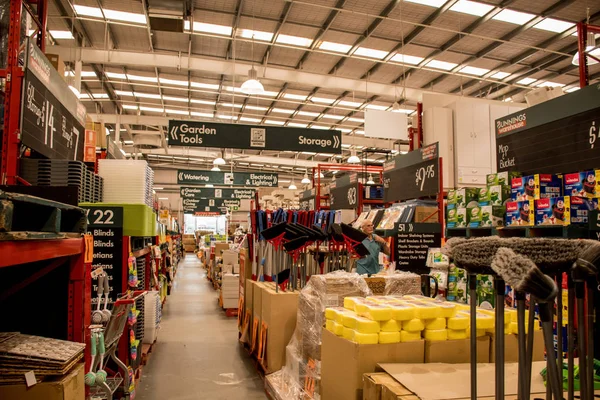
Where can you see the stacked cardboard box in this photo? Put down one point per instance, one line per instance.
(189, 242)
(230, 290)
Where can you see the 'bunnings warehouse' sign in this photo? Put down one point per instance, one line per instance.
(209, 193)
(237, 136)
(193, 177)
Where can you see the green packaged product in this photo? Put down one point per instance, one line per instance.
(479, 216)
(498, 194)
(461, 217)
(451, 216)
(501, 178)
(484, 196)
(498, 214)
(464, 196)
(485, 291)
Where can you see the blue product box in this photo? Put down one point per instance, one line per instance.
(553, 211)
(580, 207)
(584, 184)
(534, 187)
(520, 213)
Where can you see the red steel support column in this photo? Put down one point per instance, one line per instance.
(42, 17)
(420, 125)
(581, 44)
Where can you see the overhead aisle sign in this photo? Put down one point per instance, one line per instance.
(249, 137)
(190, 192)
(344, 193)
(194, 177)
(194, 205)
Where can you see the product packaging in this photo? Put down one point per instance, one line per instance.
(520, 213)
(451, 216)
(485, 291)
(479, 216)
(457, 284)
(580, 207)
(584, 184)
(461, 217)
(498, 194)
(498, 215)
(533, 187)
(484, 197)
(501, 178)
(463, 196)
(553, 211)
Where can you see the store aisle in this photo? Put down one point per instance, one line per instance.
(197, 355)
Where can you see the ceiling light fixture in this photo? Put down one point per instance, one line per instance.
(292, 186)
(370, 181)
(219, 160)
(353, 159)
(590, 45)
(305, 179)
(216, 168)
(252, 84)
(396, 107)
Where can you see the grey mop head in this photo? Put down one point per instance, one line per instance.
(589, 259)
(451, 244)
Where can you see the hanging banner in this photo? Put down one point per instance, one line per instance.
(194, 177)
(561, 135)
(344, 193)
(211, 193)
(237, 136)
(52, 118)
(201, 204)
(412, 175)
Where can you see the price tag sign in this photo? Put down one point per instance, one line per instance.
(344, 193)
(412, 175)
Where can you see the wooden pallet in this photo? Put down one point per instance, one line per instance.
(21, 214)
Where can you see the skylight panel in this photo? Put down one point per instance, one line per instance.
(294, 40)
(201, 85)
(115, 75)
(346, 103)
(571, 89)
(256, 35)
(308, 113)
(282, 111)
(142, 78)
(297, 125)
(152, 109)
(526, 81)
(125, 16)
(360, 120)
(247, 119)
(224, 116)
(500, 75)
(321, 127)
(446, 66)
(176, 98)
(178, 82)
(294, 96)
(430, 3)
(209, 28)
(553, 25)
(147, 95)
(178, 112)
(230, 105)
(130, 107)
(372, 53)
(471, 8)
(332, 116)
(123, 93)
(257, 108)
(377, 107)
(550, 84)
(100, 95)
(274, 122)
(200, 101)
(88, 11)
(87, 74)
(336, 47)
(61, 34)
(202, 114)
(474, 71)
(406, 59)
(322, 100)
(513, 17)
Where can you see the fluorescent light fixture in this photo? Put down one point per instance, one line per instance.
(332, 116)
(87, 74)
(308, 113)
(123, 93)
(215, 169)
(130, 107)
(200, 101)
(178, 112)
(129, 143)
(274, 122)
(320, 127)
(177, 82)
(294, 96)
(406, 59)
(346, 103)
(77, 93)
(125, 16)
(377, 107)
(513, 17)
(230, 105)
(132, 77)
(361, 120)
(223, 116)
(147, 95)
(500, 75)
(88, 11)
(247, 119)
(471, 8)
(430, 3)
(84, 96)
(257, 108)
(553, 25)
(372, 53)
(100, 95)
(152, 109)
(209, 28)
(359, 133)
(446, 66)
(294, 40)
(252, 85)
(297, 125)
(337, 47)
(175, 98)
(322, 100)
(402, 110)
(474, 71)
(202, 114)
(526, 81)
(282, 111)
(115, 75)
(61, 34)
(200, 85)
(256, 35)
(508, 99)
(572, 89)
(549, 84)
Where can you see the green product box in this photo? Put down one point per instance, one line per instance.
(485, 291)
(461, 217)
(451, 216)
(479, 216)
(451, 198)
(463, 196)
(498, 194)
(457, 284)
(483, 196)
(501, 178)
(498, 215)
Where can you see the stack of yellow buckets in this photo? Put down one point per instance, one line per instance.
(394, 319)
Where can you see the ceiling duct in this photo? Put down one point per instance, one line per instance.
(147, 142)
(167, 16)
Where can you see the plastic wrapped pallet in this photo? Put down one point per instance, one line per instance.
(400, 283)
(302, 370)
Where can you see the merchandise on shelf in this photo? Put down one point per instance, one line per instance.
(533, 187)
(580, 207)
(479, 216)
(520, 213)
(501, 178)
(553, 211)
(584, 184)
(127, 181)
(462, 196)
(499, 194)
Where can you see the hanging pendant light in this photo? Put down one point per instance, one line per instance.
(252, 84)
(292, 186)
(353, 159)
(590, 45)
(215, 169)
(370, 181)
(305, 180)
(219, 160)
(319, 175)
(396, 107)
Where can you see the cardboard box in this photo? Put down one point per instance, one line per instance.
(456, 351)
(67, 387)
(520, 213)
(343, 363)
(245, 264)
(426, 214)
(553, 211)
(279, 310)
(584, 184)
(534, 187)
(380, 385)
(511, 347)
(479, 216)
(580, 207)
(393, 390)
(220, 247)
(501, 178)
(57, 63)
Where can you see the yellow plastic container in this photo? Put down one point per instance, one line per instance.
(414, 325)
(366, 338)
(409, 336)
(437, 335)
(457, 334)
(389, 337)
(390, 326)
(435, 323)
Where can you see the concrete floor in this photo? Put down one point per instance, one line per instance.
(197, 355)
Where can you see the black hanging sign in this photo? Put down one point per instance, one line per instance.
(195, 177)
(52, 118)
(413, 241)
(202, 204)
(237, 136)
(191, 192)
(412, 175)
(344, 193)
(561, 135)
(307, 199)
(105, 224)
(205, 212)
